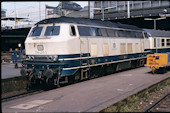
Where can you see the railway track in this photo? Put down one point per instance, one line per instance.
(19, 95)
(140, 101)
(31, 91)
(162, 105)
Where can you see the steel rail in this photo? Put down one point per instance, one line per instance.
(150, 107)
(20, 94)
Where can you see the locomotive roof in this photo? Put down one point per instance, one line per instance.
(86, 21)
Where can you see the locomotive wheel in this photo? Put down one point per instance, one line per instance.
(49, 81)
(162, 70)
(58, 86)
(48, 73)
(102, 71)
(34, 83)
(96, 72)
(32, 79)
(110, 69)
(74, 78)
(71, 79)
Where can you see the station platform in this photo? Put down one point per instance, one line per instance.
(87, 96)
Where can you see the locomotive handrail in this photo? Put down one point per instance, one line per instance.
(38, 63)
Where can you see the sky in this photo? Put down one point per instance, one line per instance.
(11, 5)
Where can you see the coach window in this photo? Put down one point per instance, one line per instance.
(168, 42)
(163, 42)
(73, 31)
(158, 42)
(154, 42)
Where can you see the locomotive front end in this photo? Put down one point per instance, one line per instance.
(42, 46)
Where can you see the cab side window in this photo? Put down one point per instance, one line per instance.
(73, 31)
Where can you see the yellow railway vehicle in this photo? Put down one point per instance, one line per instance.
(158, 61)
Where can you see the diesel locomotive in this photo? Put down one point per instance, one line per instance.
(67, 50)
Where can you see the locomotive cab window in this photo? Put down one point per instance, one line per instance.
(52, 30)
(36, 31)
(146, 35)
(73, 31)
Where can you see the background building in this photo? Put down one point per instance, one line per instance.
(31, 14)
(63, 9)
(82, 13)
(20, 21)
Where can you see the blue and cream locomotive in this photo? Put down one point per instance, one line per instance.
(69, 49)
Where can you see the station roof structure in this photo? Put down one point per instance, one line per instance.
(12, 18)
(138, 11)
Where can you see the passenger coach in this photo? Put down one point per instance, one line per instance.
(159, 40)
(69, 49)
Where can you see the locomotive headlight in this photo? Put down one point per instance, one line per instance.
(32, 58)
(28, 57)
(55, 58)
(50, 57)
